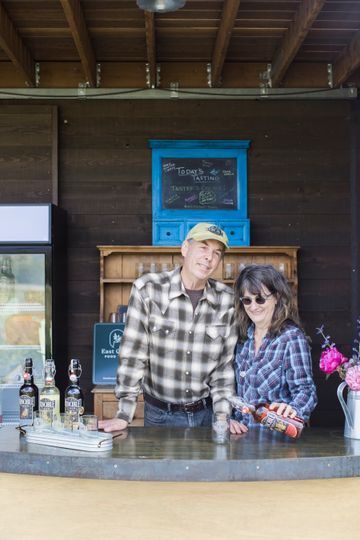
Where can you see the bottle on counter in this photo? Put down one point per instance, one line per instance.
(28, 395)
(49, 398)
(292, 427)
(74, 399)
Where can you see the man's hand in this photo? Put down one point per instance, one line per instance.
(113, 424)
(237, 428)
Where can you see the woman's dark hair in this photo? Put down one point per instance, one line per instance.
(253, 279)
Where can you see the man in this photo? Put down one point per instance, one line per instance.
(179, 340)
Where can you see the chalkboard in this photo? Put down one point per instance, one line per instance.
(199, 183)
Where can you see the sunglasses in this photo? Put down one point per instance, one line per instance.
(259, 299)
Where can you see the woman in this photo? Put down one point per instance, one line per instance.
(273, 359)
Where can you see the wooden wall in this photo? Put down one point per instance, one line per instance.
(299, 184)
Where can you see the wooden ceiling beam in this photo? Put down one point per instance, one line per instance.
(228, 18)
(347, 61)
(76, 21)
(298, 30)
(150, 46)
(16, 50)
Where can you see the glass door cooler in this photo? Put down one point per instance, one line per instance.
(32, 296)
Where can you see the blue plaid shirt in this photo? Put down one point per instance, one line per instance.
(281, 371)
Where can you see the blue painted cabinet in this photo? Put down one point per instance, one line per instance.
(195, 181)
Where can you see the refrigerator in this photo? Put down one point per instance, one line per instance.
(32, 297)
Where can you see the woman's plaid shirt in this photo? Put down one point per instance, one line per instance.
(281, 371)
(171, 351)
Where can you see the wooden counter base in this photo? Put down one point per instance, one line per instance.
(31, 506)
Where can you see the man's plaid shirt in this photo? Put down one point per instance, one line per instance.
(171, 351)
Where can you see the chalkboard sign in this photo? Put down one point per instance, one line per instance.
(199, 184)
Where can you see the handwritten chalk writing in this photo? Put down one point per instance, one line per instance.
(206, 179)
(172, 199)
(182, 188)
(189, 172)
(168, 166)
(207, 197)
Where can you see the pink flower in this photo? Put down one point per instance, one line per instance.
(353, 378)
(330, 359)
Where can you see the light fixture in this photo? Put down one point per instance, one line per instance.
(160, 6)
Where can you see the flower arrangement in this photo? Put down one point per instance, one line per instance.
(331, 360)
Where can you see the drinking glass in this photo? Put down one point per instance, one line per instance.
(88, 422)
(220, 428)
(39, 422)
(62, 422)
(229, 271)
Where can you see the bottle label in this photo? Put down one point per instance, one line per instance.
(274, 421)
(26, 408)
(47, 407)
(74, 408)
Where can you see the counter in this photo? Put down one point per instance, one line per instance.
(178, 454)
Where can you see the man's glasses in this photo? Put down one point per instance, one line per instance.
(259, 299)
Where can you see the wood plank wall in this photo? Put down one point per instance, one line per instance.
(298, 182)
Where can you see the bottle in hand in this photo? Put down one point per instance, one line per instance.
(74, 399)
(49, 399)
(292, 427)
(28, 395)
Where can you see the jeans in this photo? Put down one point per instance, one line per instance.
(155, 417)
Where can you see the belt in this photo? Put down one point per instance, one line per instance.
(195, 406)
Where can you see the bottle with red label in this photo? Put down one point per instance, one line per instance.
(292, 427)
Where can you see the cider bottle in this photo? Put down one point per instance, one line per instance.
(28, 395)
(74, 399)
(49, 399)
(292, 427)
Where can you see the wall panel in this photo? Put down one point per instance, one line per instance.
(298, 185)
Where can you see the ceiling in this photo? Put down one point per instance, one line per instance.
(208, 43)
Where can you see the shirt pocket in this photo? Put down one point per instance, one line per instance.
(162, 329)
(214, 339)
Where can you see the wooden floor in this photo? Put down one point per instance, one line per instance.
(39, 508)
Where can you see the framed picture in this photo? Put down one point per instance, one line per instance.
(195, 181)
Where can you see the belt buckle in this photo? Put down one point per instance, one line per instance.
(189, 407)
(194, 406)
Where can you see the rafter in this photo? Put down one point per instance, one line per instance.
(304, 18)
(151, 45)
(223, 36)
(347, 61)
(16, 50)
(76, 21)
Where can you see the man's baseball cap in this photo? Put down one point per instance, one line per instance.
(207, 231)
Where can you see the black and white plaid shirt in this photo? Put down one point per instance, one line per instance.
(171, 351)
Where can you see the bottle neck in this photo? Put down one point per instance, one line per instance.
(28, 378)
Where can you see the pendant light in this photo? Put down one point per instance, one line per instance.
(160, 6)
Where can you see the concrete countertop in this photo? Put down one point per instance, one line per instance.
(190, 455)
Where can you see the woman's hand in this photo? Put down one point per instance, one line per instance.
(284, 409)
(237, 428)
